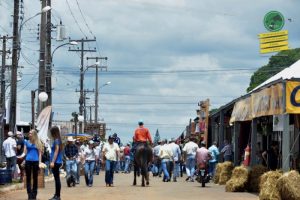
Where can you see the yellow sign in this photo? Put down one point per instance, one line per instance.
(274, 39)
(293, 97)
(273, 44)
(273, 34)
(274, 49)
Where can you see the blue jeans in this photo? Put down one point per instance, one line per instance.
(190, 166)
(176, 170)
(127, 162)
(98, 166)
(11, 163)
(109, 171)
(212, 166)
(164, 163)
(78, 171)
(71, 167)
(89, 167)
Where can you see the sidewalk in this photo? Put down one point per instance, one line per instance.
(20, 186)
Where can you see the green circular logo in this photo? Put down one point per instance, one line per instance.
(274, 21)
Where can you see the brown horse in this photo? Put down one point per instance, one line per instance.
(142, 159)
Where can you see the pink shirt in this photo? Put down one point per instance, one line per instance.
(202, 155)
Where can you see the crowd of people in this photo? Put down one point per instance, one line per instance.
(171, 158)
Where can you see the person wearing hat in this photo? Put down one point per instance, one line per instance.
(110, 153)
(90, 154)
(10, 147)
(71, 153)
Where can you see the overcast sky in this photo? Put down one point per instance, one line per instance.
(163, 56)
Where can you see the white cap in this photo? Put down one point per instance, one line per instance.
(91, 142)
(70, 139)
(10, 133)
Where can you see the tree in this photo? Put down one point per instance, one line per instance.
(156, 137)
(276, 64)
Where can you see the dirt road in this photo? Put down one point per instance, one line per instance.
(123, 190)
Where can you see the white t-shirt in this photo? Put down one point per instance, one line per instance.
(110, 151)
(90, 154)
(9, 146)
(190, 148)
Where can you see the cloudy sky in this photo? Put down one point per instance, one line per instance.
(163, 56)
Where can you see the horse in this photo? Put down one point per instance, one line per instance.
(142, 158)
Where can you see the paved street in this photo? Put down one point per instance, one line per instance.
(124, 190)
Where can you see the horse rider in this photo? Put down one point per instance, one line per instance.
(141, 135)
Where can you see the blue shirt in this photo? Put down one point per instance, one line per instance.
(214, 153)
(59, 156)
(32, 151)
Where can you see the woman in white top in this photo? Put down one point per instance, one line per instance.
(110, 154)
(90, 160)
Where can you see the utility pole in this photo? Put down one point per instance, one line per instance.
(84, 106)
(82, 50)
(13, 90)
(42, 82)
(48, 57)
(2, 97)
(96, 84)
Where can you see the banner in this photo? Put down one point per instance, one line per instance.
(268, 101)
(293, 97)
(43, 123)
(241, 110)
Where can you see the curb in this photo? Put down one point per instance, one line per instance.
(19, 186)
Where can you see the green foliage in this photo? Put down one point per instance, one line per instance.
(276, 64)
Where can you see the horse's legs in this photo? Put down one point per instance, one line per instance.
(147, 178)
(143, 180)
(134, 179)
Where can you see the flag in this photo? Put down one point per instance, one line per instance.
(43, 123)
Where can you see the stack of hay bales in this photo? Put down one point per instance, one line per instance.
(254, 177)
(268, 189)
(238, 180)
(226, 171)
(218, 172)
(288, 186)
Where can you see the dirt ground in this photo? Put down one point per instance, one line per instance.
(123, 190)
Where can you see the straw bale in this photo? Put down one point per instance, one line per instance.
(226, 172)
(218, 172)
(289, 186)
(238, 180)
(254, 177)
(268, 189)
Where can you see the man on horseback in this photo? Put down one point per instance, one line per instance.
(142, 152)
(141, 135)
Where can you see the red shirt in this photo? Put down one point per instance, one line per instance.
(142, 134)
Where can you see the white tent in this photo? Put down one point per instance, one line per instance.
(292, 71)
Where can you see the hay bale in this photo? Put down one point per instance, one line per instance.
(267, 186)
(288, 186)
(254, 177)
(218, 172)
(226, 171)
(238, 180)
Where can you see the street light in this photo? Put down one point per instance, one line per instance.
(42, 97)
(107, 83)
(68, 43)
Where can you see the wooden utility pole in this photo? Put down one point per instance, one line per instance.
(42, 82)
(13, 90)
(2, 96)
(96, 82)
(82, 50)
(48, 57)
